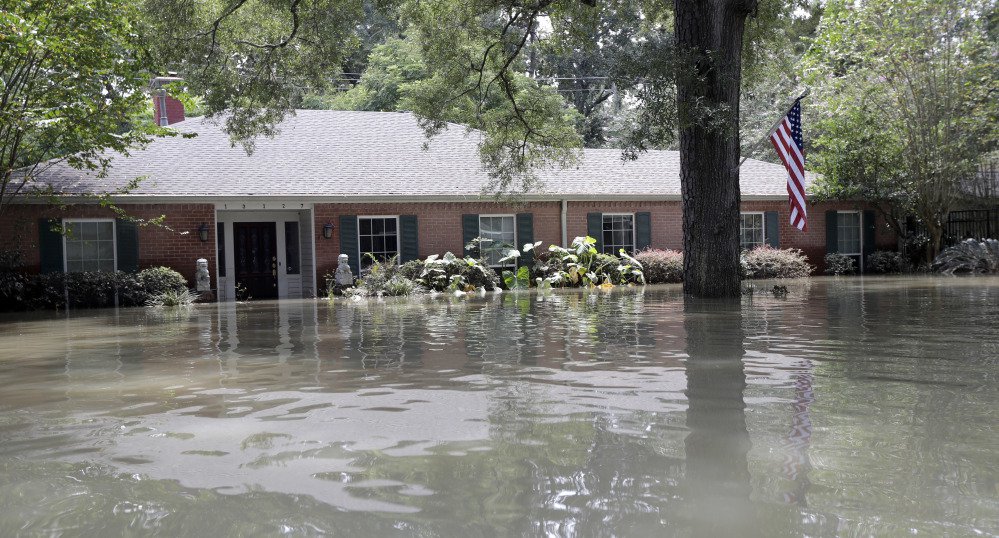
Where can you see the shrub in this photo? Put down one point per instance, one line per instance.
(661, 266)
(969, 256)
(840, 264)
(887, 262)
(98, 289)
(769, 262)
(14, 284)
(158, 280)
(385, 278)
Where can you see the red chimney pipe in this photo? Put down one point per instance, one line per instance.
(166, 109)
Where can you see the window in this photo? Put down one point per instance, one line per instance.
(619, 232)
(379, 237)
(89, 245)
(848, 232)
(498, 235)
(291, 248)
(751, 230)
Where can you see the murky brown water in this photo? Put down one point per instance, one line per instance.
(852, 407)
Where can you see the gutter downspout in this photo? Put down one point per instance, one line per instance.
(565, 227)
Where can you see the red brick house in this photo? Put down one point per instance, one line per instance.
(354, 182)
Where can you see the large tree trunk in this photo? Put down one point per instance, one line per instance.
(709, 41)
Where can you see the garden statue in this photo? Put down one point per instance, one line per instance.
(343, 278)
(203, 282)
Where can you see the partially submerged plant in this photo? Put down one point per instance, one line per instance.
(769, 262)
(173, 298)
(969, 256)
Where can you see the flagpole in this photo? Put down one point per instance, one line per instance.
(803, 95)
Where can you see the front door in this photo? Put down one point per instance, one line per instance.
(255, 253)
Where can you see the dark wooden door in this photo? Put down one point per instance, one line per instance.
(255, 251)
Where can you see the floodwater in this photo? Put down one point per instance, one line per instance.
(852, 407)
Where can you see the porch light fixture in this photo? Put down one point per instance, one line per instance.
(203, 232)
(328, 230)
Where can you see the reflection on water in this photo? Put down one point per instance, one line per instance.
(854, 406)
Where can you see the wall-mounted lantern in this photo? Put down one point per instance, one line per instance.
(328, 230)
(203, 232)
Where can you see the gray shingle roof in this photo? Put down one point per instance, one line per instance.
(332, 155)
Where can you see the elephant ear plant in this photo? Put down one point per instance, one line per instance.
(520, 277)
(582, 265)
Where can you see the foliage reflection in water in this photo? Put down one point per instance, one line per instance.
(857, 406)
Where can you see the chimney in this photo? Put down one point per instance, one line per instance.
(166, 109)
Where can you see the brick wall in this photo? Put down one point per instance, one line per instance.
(166, 245)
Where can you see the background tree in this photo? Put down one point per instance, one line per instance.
(908, 108)
(73, 76)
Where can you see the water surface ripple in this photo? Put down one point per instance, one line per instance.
(853, 407)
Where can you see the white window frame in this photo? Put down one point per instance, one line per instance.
(634, 225)
(763, 228)
(398, 237)
(114, 240)
(860, 233)
(515, 244)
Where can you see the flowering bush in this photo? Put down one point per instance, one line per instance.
(769, 262)
(661, 266)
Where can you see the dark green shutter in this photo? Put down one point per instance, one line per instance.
(525, 234)
(469, 231)
(595, 229)
(832, 237)
(410, 238)
(870, 228)
(643, 231)
(127, 237)
(348, 241)
(49, 247)
(772, 228)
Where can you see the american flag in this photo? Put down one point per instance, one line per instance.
(786, 138)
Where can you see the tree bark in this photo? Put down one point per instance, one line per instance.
(709, 42)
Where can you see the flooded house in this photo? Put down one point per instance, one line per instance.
(274, 220)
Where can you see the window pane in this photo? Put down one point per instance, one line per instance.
(105, 250)
(365, 244)
(364, 226)
(105, 230)
(389, 225)
(90, 251)
(377, 226)
(390, 244)
(74, 250)
(378, 244)
(73, 230)
(74, 266)
(88, 231)
(106, 265)
(291, 246)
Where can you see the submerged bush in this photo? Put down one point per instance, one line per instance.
(385, 278)
(840, 264)
(661, 266)
(769, 262)
(14, 284)
(969, 256)
(158, 280)
(887, 262)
